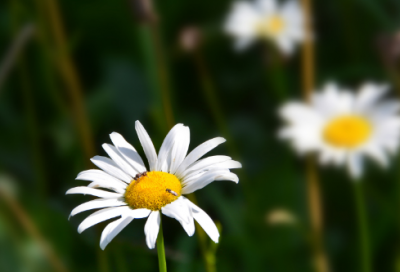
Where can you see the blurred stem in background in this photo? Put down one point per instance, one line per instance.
(158, 76)
(365, 254)
(191, 42)
(157, 71)
(22, 35)
(28, 225)
(33, 133)
(276, 73)
(15, 55)
(57, 40)
(320, 260)
(68, 73)
(387, 47)
(46, 67)
(162, 264)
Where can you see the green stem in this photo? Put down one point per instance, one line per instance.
(276, 74)
(162, 264)
(362, 227)
(157, 75)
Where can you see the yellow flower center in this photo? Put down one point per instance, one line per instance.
(153, 190)
(270, 26)
(347, 131)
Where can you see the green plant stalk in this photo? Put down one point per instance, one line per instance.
(73, 85)
(69, 75)
(210, 94)
(31, 117)
(276, 73)
(37, 155)
(157, 75)
(162, 264)
(162, 108)
(46, 65)
(365, 253)
(320, 259)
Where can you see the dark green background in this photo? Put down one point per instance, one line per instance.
(40, 152)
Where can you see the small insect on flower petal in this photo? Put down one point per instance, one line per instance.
(171, 192)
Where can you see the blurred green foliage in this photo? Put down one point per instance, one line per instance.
(41, 154)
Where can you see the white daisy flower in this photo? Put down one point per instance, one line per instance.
(132, 192)
(342, 126)
(266, 19)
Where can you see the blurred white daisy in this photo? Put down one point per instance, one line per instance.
(132, 192)
(266, 19)
(342, 126)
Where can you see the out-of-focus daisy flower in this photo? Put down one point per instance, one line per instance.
(266, 19)
(343, 127)
(132, 192)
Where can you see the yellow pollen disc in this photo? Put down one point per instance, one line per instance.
(271, 26)
(347, 131)
(153, 191)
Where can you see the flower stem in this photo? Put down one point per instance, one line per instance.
(314, 204)
(210, 93)
(162, 264)
(276, 77)
(157, 74)
(362, 227)
(320, 259)
(69, 74)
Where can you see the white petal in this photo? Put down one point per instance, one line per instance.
(178, 210)
(242, 20)
(90, 191)
(147, 145)
(164, 159)
(179, 213)
(138, 213)
(243, 42)
(285, 44)
(128, 152)
(111, 168)
(204, 163)
(225, 165)
(188, 227)
(377, 153)
(180, 149)
(101, 216)
(117, 226)
(113, 229)
(207, 178)
(292, 11)
(101, 177)
(295, 112)
(114, 154)
(96, 204)
(368, 95)
(266, 6)
(104, 185)
(151, 229)
(198, 152)
(204, 221)
(355, 165)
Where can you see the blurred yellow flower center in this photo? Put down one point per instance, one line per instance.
(347, 131)
(153, 190)
(270, 26)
